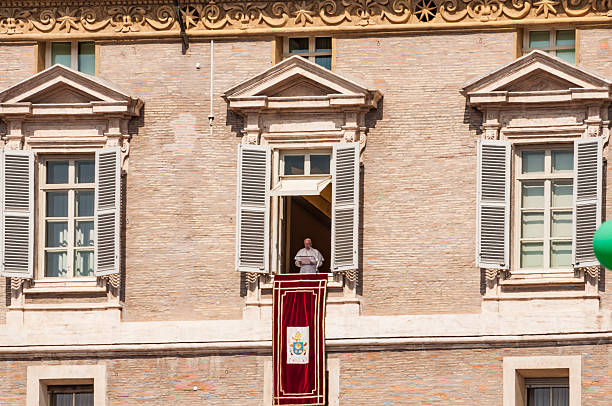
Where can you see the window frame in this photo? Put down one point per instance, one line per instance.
(552, 48)
(70, 389)
(41, 187)
(307, 154)
(516, 207)
(312, 53)
(74, 54)
(546, 383)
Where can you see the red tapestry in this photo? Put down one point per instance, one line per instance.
(298, 348)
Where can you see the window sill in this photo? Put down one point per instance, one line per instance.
(81, 285)
(333, 281)
(543, 281)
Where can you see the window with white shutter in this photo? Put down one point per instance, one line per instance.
(345, 207)
(253, 209)
(17, 214)
(587, 198)
(107, 210)
(493, 204)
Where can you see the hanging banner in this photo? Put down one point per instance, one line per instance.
(298, 348)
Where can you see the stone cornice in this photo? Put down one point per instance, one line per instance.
(28, 19)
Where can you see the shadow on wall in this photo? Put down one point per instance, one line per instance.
(473, 118)
(8, 292)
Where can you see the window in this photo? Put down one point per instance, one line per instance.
(545, 208)
(315, 163)
(315, 49)
(561, 43)
(67, 217)
(77, 55)
(81, 395)
(547, 392)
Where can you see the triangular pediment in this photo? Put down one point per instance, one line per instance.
(537, 72)
(296, 78)
(62, 86)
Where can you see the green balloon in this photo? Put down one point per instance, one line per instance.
(602, 244)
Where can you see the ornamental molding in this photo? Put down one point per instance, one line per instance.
(104, 18)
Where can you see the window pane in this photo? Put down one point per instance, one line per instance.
(560, 396)
(294, 164)
(539, 39)
(562, 161)
(532, 195)
(60, 53)
(83, 263)
(62, 399)
(87, 58)
(84, 203)
(57, 172)
(84, 399)
(566, 37)
(561, 224)
(561, 254)
(55, 264)
(568, 55)
(85, 172)
(538, 397)
(533, 161)
(323, 44)
(57, 234)
(57, 204)
(532, 225)
(562, 193)
(83, 233)
(324, 61)
(319, 164)
(298, 45)
(532, 255)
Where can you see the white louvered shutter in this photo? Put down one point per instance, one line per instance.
(587, 198)
(253, 209)
(108, 208)
(17, 214)
(345, 207)
(493, 226)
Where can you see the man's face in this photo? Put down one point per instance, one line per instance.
(307, 244)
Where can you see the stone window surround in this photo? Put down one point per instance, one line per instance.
(515, 369)
(40, 377)
(294, 106)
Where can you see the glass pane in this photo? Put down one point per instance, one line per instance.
(57, 204)
(83, 263)
(85, 172)
(538, 397)
(60, 53)
(84, 399)
(324, 61)
(561, 224)
(568, 55)
(319, 164)
(560, 254)
(87, 58)
(55, 264)
(57, 234)
(539, 39)
(62, 399)
(57, 172)
(560, 396)
(84, 203)
(298, 45)
(532, 255)
(294, 164)
(323, 44)
(83, 233)
(562, 161)
(533, 161)
(532, 195)
(532, 225)
(566, 37)
(562, 193)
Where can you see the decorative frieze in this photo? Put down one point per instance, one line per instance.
(116, 17)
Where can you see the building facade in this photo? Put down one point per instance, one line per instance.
(448, 159)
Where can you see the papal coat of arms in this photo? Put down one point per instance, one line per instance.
(297, 345)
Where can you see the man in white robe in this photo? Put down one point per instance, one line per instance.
(308, 259)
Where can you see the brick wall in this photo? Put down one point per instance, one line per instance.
(420, 168)
(18, 62)
(181, 185)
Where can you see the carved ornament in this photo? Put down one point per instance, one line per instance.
(18, 18)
